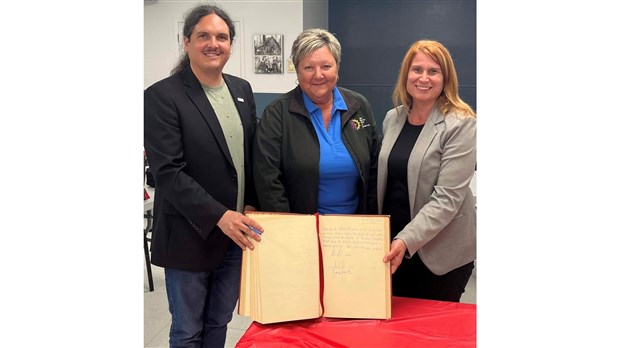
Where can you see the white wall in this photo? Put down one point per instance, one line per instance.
(254, 16)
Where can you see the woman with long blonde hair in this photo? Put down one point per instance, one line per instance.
(425, 166)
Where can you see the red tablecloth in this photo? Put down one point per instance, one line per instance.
(414, 323)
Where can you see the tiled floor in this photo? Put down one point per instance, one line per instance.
(157, 317)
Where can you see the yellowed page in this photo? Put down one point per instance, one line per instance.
(245, 287)
(357, 282)
(287, 272)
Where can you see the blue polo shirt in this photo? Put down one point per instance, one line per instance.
(338, 174)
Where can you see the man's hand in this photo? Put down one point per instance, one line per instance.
(236, 226)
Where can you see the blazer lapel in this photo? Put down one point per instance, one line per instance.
(197, 95)
(241, 102)
(429, 131)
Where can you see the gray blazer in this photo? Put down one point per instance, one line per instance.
(443, 211)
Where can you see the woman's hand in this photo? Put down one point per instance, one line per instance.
(237, 227)
(396, 254)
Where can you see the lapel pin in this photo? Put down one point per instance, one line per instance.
(240, 99)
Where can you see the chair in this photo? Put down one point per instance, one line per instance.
(148, 215)
(149, 197)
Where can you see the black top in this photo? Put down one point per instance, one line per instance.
(396, 202)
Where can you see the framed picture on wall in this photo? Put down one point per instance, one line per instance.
(268, 54)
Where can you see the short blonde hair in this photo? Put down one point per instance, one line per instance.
(449, 100)
(311, 40)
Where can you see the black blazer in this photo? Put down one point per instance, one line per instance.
(195, 179)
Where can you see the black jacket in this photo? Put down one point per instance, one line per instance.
(286, 153)
(196, 181)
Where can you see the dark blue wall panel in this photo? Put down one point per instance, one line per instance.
(262, 100)
(375, 36)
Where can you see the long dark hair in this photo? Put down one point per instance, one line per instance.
(191, 19)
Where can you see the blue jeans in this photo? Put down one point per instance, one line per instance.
(202, 303)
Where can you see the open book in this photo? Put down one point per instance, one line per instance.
(295, 273)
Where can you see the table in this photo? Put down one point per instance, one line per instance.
(148, 215)
(414, 323)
